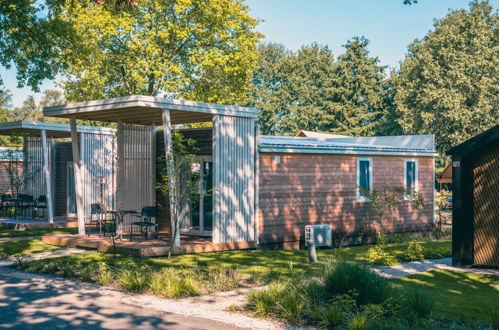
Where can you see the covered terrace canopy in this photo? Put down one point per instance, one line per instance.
(145, 110)
(234, 154)
(39, 148)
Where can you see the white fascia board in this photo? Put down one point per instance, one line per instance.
(54, 127)
(143, 101)
(343, 151)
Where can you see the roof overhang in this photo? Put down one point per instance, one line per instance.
(145, 110)
(476, 143)
(281, 144)
(53, 130)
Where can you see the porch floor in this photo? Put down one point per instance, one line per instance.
(149, 248)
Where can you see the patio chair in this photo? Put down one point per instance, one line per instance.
(40, 204)
(146, 215)
(98, 219)
(6, 205)
(27, 205)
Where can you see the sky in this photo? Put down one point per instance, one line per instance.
(388, 24)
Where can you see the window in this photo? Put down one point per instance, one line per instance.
(364, 178)
(410, 175)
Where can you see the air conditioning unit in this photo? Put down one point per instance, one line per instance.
(319, 234)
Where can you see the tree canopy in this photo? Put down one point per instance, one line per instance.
(195, 49)
(448, 83)
(310, 90)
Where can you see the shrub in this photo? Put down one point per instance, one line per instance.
(438, 253)
(414, 252)
(418, 303)
(378, 256)
(134, 280)
(345, 278)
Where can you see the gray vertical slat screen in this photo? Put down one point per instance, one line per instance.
(234, 179)
(136, 188)
(98, 154)
(34, 180)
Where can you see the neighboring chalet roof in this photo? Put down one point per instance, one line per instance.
(11, 154)
(407, 145)
(446, 175)
(476, 143)
(53, 130)
(304, 133)
(145, 110)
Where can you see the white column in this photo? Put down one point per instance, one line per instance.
(77, 176)
(121, 166)
(167, 130)
(48, 181)
(153, 163)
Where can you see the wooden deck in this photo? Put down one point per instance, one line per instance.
(150, 248)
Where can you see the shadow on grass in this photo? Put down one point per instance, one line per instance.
(458, 295)
(25, 247)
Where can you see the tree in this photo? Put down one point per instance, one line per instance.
(359, 94)
(266, 86)
(31, 39)
(32, 111)
(5, 103)
(448, 83)
(191, 49)
(310, 90)
(177, 184)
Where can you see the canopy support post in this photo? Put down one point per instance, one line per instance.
(174, 217)
(77, 175)
(48, 181)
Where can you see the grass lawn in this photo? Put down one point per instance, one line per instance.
(458, 296)
(4, 233)
(256, 264)
(25, 247)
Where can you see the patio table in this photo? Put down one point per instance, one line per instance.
(120, 214)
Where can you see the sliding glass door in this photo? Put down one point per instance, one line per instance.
(201, 201)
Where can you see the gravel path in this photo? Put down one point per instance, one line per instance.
(416, 267)
(32, 300)
(42, 255)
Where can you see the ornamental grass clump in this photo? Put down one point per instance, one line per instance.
(265, 302)
(344, 278)
(174, 284)
(134, 279)
(223, 279)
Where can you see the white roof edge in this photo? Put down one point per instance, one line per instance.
(346, 151)
(420, 142)
(313, 134)
(153, 102)
(32, 125)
